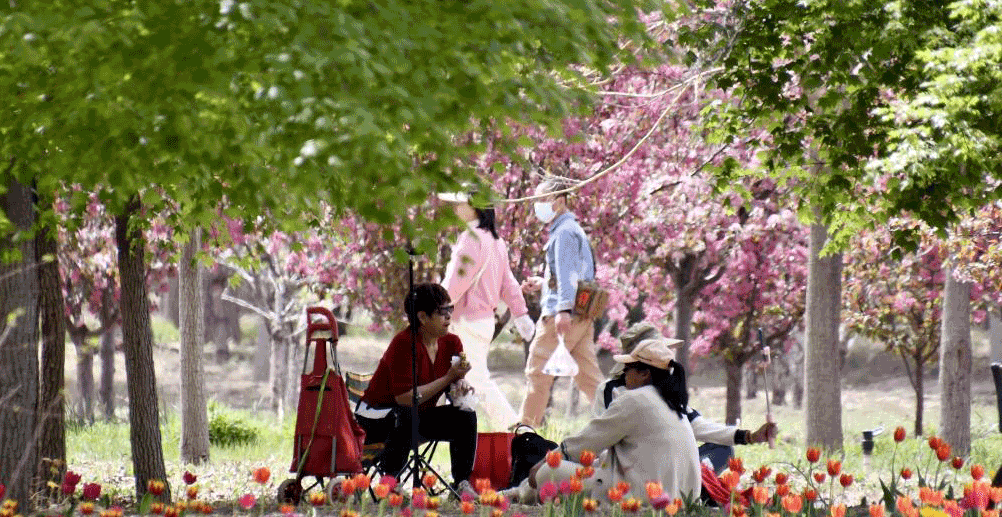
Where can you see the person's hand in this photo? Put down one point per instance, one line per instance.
(532, 284)
(563, 323)
(459, 369)
(762, 434)
(526, 328)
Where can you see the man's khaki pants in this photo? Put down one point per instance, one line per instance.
(580, 343)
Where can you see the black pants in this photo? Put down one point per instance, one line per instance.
(442, 423)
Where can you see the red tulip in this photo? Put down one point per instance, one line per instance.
(977, 471)
(899, 434)
(834, 467)
(813, 454)
(943, 451)
(906, 473)
(819, 477)
(189, 478)
(845, 480)
(782, 478)
(957, 462)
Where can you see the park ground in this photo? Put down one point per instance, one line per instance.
(875, 394)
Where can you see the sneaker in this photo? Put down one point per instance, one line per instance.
(465, 489)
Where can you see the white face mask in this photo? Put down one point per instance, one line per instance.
(544, 211)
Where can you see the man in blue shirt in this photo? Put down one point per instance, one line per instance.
(569, 259)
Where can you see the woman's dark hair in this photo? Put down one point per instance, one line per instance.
(486, 220)
(669, 383)
(426, 298)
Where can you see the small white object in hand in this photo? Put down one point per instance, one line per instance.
(461, 392)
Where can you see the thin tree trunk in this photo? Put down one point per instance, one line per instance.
(107, 354)
(52, 440)
(732, 408)
(919, 395)
(19, 299)
(137, 335)
(85, 371)
(194, 413)
(279, 374)
(822, 382)
(995, 335)
(955, 366)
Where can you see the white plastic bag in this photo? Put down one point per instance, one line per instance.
(560, 363)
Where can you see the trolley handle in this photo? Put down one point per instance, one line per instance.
(318, 326)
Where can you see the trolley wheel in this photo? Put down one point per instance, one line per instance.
(290, 492)
(333, 490)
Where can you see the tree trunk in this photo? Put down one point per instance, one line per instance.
(919, 395)
(171, 302)
(683, 325)
(194, 413)
(995, 335)
(137, 337)
(51, 403)
(279, 374)
(19, 299)
(821, 366)
(85, 371)
(732, 408)
(955, 366)
(107, 355)
(751, 384)
(262, 352)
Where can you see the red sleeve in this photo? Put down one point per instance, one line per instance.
(389, 374)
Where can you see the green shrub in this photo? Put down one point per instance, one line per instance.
(228, 430)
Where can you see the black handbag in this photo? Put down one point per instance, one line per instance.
(527, 449)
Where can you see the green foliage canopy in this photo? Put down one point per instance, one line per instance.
(275, 105)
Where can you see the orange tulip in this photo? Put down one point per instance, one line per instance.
(428, 480)
(589, 505)
(285, 509)
(943, 451)
(584, 472)
(623, 487)
(614, 494)
(654, 490)
(810, 494)
(587, 458)
(736, 465)
(553, 458)
(876, 510)
(977, 471)
(395, 500)
(760, 495)
(761, 474)
(782, 490)
(381, 491)
(497, 512)
(837, 510)
(317, 498)
(630, 504)
(834, 467)
(575, 485)
(481, 485)
(672, 508)
(262, 475)
(933, 442)
(904, 504)
(737, 510)
(192, 492)
(156, 487)
(793, 503)
(930, 497)
(730, 479)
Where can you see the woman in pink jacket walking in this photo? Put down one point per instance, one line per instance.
(479, 277)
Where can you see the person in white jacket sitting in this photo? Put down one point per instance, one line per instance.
(719, 438)
(644, 435)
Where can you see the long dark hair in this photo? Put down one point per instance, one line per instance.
(670, 384)
(486, 220)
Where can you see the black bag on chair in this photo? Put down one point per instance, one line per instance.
(527, 449)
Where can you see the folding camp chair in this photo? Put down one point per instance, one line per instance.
(356, 384)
